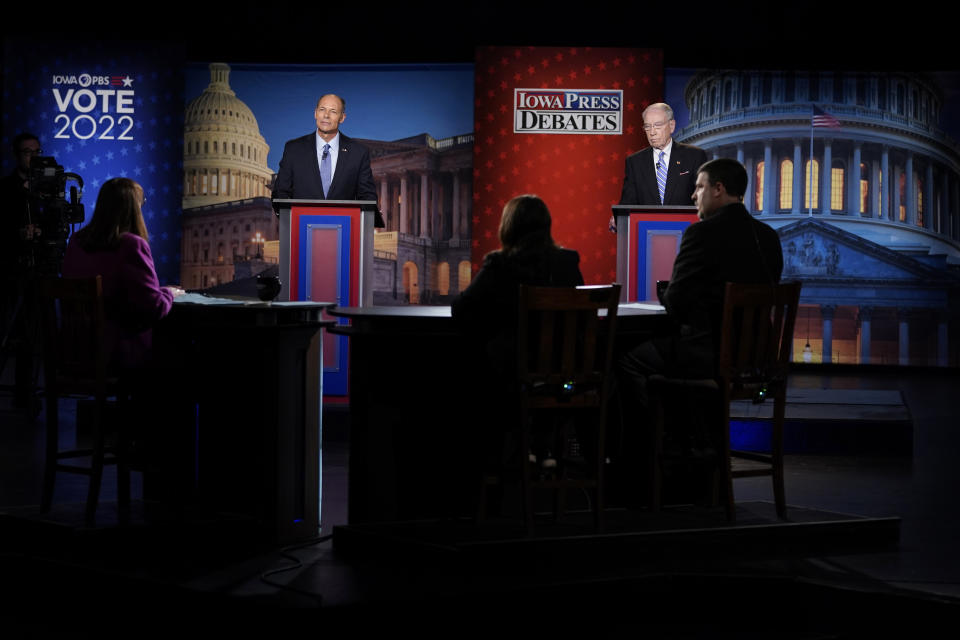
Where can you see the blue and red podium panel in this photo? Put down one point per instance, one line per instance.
(326, 255)
(648, 238)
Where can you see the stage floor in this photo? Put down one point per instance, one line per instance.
(630, 537)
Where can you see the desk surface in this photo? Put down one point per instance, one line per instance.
(429, 311)
(200, 299)
(249, 311)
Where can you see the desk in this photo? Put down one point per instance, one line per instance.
(245, 408)
(409, 458)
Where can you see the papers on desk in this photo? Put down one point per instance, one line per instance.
(646, 306)
(199, 298)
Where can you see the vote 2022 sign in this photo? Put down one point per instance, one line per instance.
(105, 110)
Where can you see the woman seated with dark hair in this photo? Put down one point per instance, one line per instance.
(528, 255)
(114, 245)
(487, 313)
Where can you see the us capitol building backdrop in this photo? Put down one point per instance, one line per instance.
(870, 222)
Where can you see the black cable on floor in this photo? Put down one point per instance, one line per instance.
(286, 554)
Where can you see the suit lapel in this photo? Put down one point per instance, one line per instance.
(648, 175)
(673, 172)
(316, 163)
(342, 160)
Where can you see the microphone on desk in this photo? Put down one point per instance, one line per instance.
(268, 287)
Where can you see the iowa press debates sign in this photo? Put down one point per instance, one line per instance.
(590, 100)
(583, 111)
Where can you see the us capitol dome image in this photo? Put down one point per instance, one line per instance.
(228, 221)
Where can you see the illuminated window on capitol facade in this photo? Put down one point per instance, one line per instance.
(902, 206)
(920, 211)
(443, 278)
(463, 274)
(786, 184)
(758, 187)
(836, 189)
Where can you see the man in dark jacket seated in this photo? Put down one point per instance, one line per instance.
(726, 245)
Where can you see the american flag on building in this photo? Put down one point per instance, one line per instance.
(823, 119)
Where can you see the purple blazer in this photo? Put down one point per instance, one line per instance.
(133, 298)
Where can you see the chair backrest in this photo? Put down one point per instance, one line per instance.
(757, 330)
(559, 336)
(73, 330)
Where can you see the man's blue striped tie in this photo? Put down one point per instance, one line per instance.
(661, 175)
(325, 171)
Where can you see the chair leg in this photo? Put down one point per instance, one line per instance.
(526, 491)
(96, 463)
(776, 450)
(560, 471)
(656, 454)
(725, 458)
(601, 462)
(52, 447)
(482, 506)
(122, 450)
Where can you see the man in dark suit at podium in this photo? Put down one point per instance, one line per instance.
(666, 171)
(325, 164)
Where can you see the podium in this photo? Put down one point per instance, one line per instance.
(326, 254)
(648, 238)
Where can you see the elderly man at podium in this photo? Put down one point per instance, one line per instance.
(665, 172)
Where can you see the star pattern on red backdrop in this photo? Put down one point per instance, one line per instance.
(579, 176)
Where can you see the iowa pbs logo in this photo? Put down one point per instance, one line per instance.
(570, 111)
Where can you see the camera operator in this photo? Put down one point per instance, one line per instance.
(14, 230)
(14, 193)
(37, 220)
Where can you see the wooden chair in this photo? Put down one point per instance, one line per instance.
(75, 364)
(564, 354)
(755, 344)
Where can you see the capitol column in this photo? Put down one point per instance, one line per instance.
(384, 199)
(903, 334)
(769, 171)
(895, 194)
(955, 211)
(437, 231)
(885, 183)
(797, 177)
(929, 206)
(455, 218)
(740, 152)
(751, 188)
(911, 191)
(943, 220)
(826, 181)
(856, 198)
(864, 314)
(404, 206)
(874, 202)
(424, 209)
(826, 313)
(943, 358)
